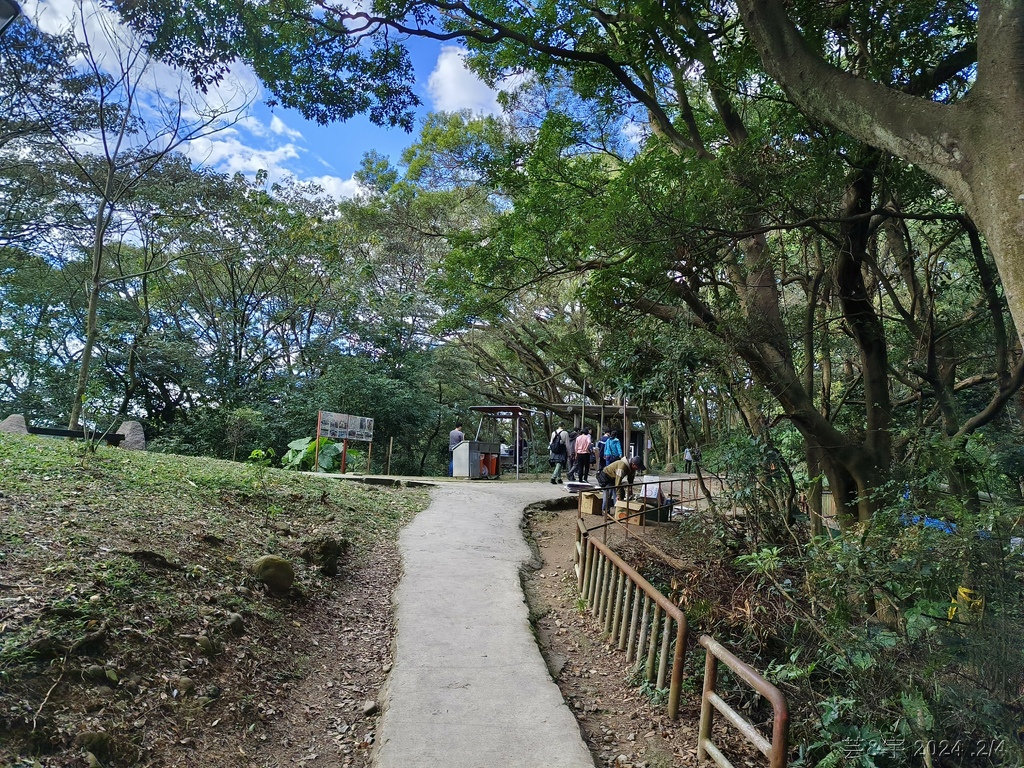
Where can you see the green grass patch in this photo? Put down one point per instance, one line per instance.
(126, 559)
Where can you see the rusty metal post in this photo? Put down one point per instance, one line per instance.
(597, 562)
(676, 685)
(582, 552)
(608, 587)
(666, 639)
(613, 602)
(606, 604)
(641, 643)
(588, 562)
(707, 712)
(599, 587)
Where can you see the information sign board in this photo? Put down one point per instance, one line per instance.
(341, 426)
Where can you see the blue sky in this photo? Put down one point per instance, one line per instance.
(330, 154)
(280, 141)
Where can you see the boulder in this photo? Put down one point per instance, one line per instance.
(134, 436)
(324, 551)
(14, 424)
(276, 572)
(96, 742)
(236, 624)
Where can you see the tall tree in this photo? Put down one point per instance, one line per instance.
(968, 136)
(135, 125)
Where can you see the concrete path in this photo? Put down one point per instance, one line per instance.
(469, 687)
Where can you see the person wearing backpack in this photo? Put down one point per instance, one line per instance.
(570, 463)
(599, 449)
(612, 449)
(558, 453)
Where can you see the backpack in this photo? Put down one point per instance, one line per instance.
(557, 446)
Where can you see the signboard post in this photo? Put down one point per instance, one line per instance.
(341, 426)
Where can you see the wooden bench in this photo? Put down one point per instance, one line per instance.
(112, 439)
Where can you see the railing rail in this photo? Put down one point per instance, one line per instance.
(683, 494)
(776, 749)
(635, 616)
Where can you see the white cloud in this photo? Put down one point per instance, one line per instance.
(277, 126)
(225, 153)
(253, 125)
(339, 189)
(112, 46)
(636, 133)
(228, 153)
(238, 141)
(452, 87)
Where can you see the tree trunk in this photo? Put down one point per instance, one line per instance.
(974, 147)
(95, 285)
(705, 418)
(814, 492)
(864, 322)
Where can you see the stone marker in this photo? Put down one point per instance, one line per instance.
(14, 424)
(134, 436)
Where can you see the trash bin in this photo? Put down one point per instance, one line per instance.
(472, 459)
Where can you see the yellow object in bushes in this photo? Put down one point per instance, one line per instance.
(969, 604)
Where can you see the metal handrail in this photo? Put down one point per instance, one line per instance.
(674, 490)
(613, 590)
(775, 750)
(634, 614)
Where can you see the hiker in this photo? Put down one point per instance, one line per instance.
(583, 453)
(455, 437)
(687, 460)
(558, 453)
(522, 450)
(612, 449)
(571, 461)
(599, 449)
(611, 479)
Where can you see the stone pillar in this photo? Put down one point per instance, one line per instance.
(14, 424)
(134, 436)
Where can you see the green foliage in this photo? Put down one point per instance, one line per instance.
(244, 425)
(308, 455)
(259, 461)
(764, 561)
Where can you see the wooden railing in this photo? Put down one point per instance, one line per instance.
(776, 749)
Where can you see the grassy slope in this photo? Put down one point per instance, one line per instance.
(97, 630)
